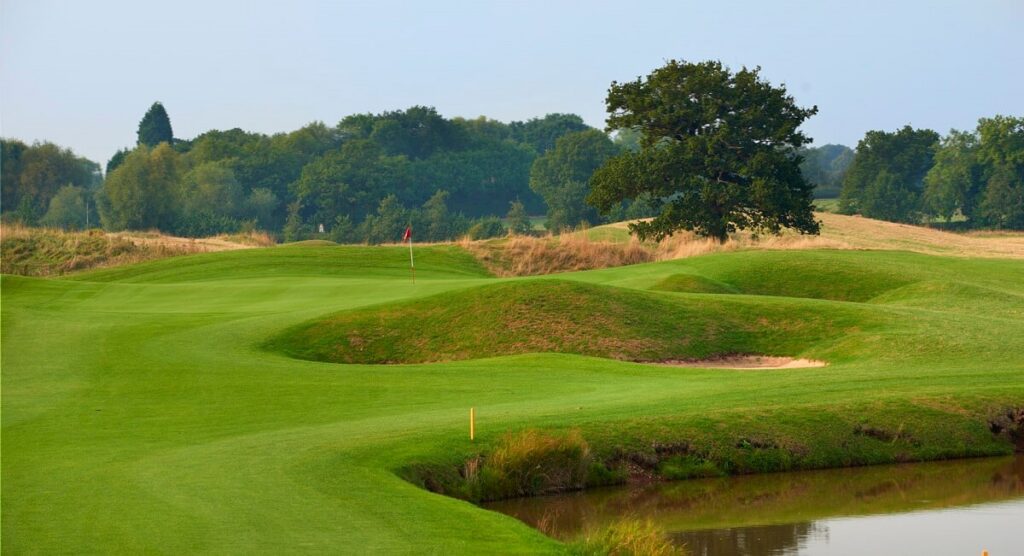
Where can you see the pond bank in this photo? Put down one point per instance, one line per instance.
(966, 504)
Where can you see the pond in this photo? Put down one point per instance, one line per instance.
(950, 507)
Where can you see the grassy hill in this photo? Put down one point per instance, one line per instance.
(159, 407)
(52, 252)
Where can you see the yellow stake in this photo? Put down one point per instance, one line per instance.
(472, 423)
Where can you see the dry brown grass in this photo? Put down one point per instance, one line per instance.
(865, 233)
(854, 232)
(531, 256)
(52, 252)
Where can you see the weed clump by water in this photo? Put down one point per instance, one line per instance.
(626, 538)
(527, 463)
(531, 463)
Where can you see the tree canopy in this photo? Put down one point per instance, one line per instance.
(825, 167)
(886, 178)
(155, 127)
(718, 152)
(561, 175)
(31, 175)
(337, 176)
(695, 146)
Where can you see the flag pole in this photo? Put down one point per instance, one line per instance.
(412, 264)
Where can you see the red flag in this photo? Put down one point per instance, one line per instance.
(407, 235)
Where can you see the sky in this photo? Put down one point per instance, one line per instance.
(82, 73)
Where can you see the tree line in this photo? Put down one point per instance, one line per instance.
(915, 175)
(360, 180)
(371, 175)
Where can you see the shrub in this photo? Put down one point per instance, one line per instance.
(486, 228)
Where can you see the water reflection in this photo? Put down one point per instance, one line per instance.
(777, 513)
(760, 540)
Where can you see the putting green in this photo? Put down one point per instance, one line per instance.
(143, 410)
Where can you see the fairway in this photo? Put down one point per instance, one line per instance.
(200, 404)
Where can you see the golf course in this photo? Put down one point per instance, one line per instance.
(299, 398)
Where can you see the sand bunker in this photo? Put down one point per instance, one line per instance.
(745, 362)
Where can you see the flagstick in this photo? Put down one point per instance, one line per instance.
(412, 264)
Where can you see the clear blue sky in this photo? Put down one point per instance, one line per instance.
(82, 73)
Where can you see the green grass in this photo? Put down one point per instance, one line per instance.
(143, 410)
(562, 316)
(826, 205)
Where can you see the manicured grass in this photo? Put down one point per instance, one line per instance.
(562, 316)
(143, 410)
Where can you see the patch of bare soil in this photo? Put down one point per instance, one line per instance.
(764, 362)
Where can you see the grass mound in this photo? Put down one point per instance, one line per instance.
(51, 252)
(46, 252)
(564, 317)
(693, 283)
(815, 275)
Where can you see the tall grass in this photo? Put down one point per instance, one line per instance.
(686, 244)
(587, 250)
(630, 537)
(527, 463)
(532, 256)
(533, 462)
(255, 238)
(52, 252)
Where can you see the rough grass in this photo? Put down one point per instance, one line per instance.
(528, 463)
(612, 245)
(837, 232)
(52, 252)
(626, 538)
(141, 414)
(532, 256)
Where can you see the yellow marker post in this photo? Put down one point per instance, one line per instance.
(472, 423)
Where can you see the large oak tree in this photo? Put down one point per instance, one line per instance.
(718, 153)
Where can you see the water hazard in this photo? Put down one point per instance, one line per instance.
(952, 507)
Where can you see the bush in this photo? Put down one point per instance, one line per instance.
(343, 230)
(486, 228)
(205, 224)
